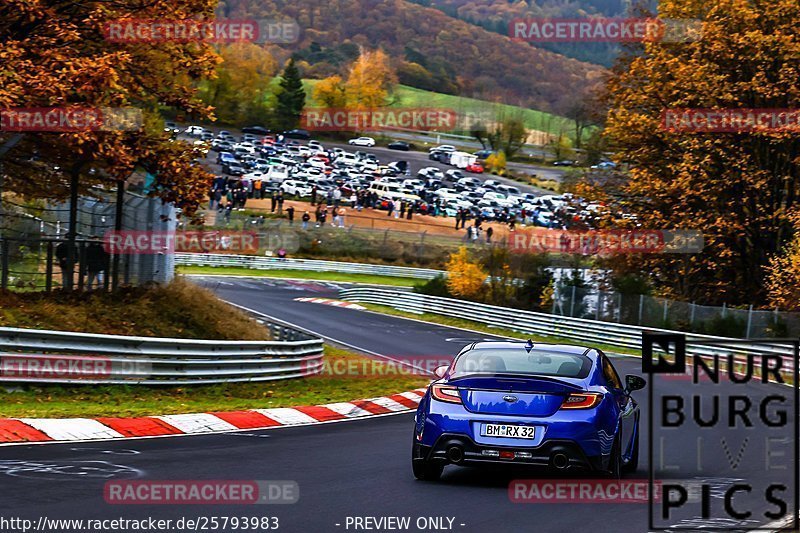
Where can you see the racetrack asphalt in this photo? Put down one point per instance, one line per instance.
(361, 468)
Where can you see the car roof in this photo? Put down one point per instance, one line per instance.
(538, 347)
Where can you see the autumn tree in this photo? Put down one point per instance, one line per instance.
(370, 81)
(508, 134)
(91, 71)
(736, 188)
(57, 54)
(238, 93)
(465, 278)
(291, 97)
(330, 92)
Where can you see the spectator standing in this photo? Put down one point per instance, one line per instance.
(402, 210)
(322, 216)
(314, 195)
(274, 201)
(411, 208)
(489, 233)
(306, 219)
(290, 215)
(397, 206)
(280, 202)
(62, 256)
(96, 263)
(341, 217)
(391, 208)
(458, 217)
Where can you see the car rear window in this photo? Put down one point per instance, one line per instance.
(518, 361)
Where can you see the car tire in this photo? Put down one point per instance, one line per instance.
(614, 470)
(633, 464)
(423, 469)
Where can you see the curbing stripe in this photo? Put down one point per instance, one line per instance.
(197, 422)
(54, 430)
(145, 426)
(72, 428)
(16, 431)
(246, 419)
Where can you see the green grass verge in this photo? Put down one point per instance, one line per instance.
(179, 309)
(301, 274)
(405, 96)
(477, 326)
(371, 379)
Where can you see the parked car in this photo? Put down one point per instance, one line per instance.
(295, 187)
(399, 145)
(604, 165)
(172, 128)
(233, 169)
(475, 168)
(362, 141)
(564, 163)
(483, 154)
(297, 134)
(257, 130)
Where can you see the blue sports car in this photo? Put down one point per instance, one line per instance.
(557, 406)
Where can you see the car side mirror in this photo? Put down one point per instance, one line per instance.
(633, 382)
(440, 371)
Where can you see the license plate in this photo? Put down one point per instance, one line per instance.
(508, 431)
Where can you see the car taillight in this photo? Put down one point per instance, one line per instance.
(443, 393)
(584, 400)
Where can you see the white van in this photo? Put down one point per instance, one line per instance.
(348, 159)
(276, 173)
(393, 191)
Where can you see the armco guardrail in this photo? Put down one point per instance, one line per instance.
(40, 356)
(273, 263)
(577, 329)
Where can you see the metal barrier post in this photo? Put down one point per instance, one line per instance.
(4, 264)
(48, 276)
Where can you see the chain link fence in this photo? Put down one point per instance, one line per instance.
(641, 310)
(34, 244)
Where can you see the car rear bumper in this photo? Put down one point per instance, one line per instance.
(562, 455)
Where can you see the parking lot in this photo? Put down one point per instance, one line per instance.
(252, 165)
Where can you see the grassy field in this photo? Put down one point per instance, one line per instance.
(179, 309)
(366, 379)
(405, 96)
(477, 326)
(300, 274)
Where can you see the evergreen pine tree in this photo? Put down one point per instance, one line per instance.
(290, 98)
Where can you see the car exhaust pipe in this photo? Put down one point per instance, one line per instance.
(455, 454)
(559, 461)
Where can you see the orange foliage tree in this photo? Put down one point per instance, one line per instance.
(736, 188)
(55, 54)
(465, 278)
